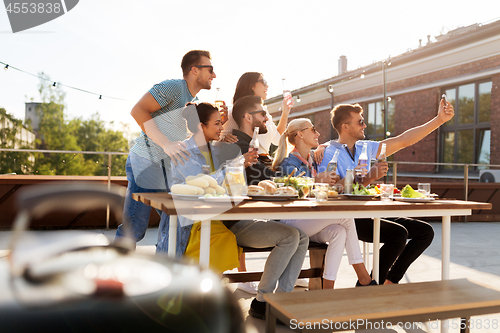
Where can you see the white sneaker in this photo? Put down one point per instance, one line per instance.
(249, 287)
(302, 283)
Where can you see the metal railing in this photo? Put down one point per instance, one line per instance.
(45, 151)
(394, 166)
(462, 165)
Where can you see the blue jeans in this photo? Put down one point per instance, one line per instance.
(143, 176)
(285, 261)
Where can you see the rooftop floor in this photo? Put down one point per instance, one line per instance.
(475, 255)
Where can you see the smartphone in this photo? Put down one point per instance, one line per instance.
(445, 99)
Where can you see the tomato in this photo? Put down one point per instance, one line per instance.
(396, 191)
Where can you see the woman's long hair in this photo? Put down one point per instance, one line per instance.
(287, 137)
(245, 84)
(198, 113)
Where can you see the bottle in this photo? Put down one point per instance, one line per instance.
(332, 165)
(349, 177)
(382, 157)
(254, 143)
(205, 169)
(363, 159)
(287, 95)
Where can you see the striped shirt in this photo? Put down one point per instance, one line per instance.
(172, 96)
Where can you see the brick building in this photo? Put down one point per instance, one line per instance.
(463, 63)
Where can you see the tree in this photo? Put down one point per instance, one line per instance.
(92, 135)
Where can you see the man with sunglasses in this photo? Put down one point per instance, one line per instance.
(248, 113)
(158, 113)
(290, 244)
(397, 254)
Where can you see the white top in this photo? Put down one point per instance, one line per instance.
(265, 140)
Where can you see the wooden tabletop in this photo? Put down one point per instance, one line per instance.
(385, 301)
(164, 202)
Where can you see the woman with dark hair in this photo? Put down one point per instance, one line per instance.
(204, 122)
(254, 84)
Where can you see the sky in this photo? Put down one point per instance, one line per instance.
(120, 48)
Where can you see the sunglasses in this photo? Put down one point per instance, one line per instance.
(312, 128)
(259, 111)
(210, 68)
(264, 82)
(361, 122)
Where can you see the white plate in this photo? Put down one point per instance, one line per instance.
(359, 197)
(224, 199)
(414, 199)
(273, 197)
(184, 196)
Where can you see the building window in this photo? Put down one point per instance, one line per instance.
(466, 137)
(374, 118)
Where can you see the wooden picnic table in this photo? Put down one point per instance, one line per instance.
(200, 210)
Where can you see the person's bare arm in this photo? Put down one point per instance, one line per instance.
(284, 118)
(141, 112)
(415, 134)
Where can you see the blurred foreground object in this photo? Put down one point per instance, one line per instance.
(76, 281)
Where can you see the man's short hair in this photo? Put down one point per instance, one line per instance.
(341, 114)
(244, 105)
(192, 58)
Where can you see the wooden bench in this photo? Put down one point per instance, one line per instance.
(371, 307)
(317, 253)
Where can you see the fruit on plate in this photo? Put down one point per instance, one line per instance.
(409, 192)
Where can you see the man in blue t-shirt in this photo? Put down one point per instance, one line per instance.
(395, 255)
(158, 113)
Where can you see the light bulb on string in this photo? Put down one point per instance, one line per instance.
(53, 85)
(6, 67)
(100, 96)
(389, 98)
(298, 99)
(362, 76)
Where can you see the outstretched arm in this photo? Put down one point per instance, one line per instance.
(415, 134)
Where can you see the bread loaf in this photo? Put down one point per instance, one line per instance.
(200, 182)
(268, 185)
(256, 190)
(286, 190)
(186, 189)
(211, 181)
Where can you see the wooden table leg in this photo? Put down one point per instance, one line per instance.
(376, 249)
(172, 236)
(205, 243)
(445, 248)
(270, 320)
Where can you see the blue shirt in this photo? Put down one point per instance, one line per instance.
(291, 162)
(346, 160)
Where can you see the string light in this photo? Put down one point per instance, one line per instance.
(362, 76)
(54, 84)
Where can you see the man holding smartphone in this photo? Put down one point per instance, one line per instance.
(396, 255)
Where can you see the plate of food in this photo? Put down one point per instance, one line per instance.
(184, 196)
(413, 199)
(224, 198)
(266, 190)
(273, 197)
(360, 196)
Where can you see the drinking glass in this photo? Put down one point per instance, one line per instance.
(386, 190)
(425, 188)
(321, 192)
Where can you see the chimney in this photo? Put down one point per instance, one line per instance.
(342, 64)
